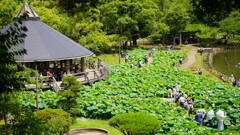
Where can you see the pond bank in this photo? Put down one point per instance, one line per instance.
(223, 61)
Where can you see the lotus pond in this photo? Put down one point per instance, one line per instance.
(142, 89)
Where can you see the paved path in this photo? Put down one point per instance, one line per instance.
(190, 60)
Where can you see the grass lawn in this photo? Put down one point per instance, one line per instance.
(110, 59)
(92, 123)
(198, 63)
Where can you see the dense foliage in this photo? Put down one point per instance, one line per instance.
(100, 25)
(142, 89)
(47, 99)
(71, 88)
(9, 82)
(135, 123)
(56, 121)
(212, 11)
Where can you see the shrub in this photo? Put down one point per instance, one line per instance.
(69, 94)
(69, 81)
(57, 120)
(26, 123)
(139, 123)
(155, 38)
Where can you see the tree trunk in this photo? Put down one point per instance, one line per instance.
(180, 38)
(131, 43)
(163, 39)
(5, 122)
(5, 116)
(134, 42)
(174, 42)
(125, 45)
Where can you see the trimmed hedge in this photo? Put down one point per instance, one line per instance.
(138, 123)
(57, 120)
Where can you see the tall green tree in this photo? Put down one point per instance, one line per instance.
(132, 19)
(212, 11)
(9, 82)
(231, 25)
(177, 17)
(7, 11)
(71, 88)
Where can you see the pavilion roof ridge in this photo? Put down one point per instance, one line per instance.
(27, 9)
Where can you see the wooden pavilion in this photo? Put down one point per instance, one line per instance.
(50, 51)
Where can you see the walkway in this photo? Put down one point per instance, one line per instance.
(190, 59)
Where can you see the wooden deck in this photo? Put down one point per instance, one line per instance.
(89, 76)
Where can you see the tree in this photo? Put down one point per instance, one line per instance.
(177, 17)
(212, 11)
(71, 88)
(130, 18)
(9, 82)
(231, 25)
(206, 34)
(7, 11)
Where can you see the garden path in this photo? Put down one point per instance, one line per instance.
(190, 60)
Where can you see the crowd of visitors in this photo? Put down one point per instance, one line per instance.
(181, 98)
(57, 73)
(144, 60)
(187, 103)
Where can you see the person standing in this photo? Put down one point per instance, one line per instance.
(232, 79)
(170, 92)
(95, 65)
(150, 52)
(199, 118)
(180, 60)
(190, 107)
(200, 71)
(238, 84)
(126, 58)
(210, 116)
(145, 59)
(182, 101)
(220, 117)
(132, 66)
(139, 64)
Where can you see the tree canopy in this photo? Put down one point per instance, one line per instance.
(99, 24)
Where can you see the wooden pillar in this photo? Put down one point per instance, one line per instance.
(83, 64)
(71, 64)
(61, 65)
(180, 38)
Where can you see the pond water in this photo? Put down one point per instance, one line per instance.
(226, 62)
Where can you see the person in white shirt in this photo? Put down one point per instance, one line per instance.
(181, 101)
(210, 116)
(220, 117)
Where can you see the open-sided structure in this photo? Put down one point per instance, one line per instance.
(48, 49)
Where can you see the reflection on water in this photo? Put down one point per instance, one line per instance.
(226, 62)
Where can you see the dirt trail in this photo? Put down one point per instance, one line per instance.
(190, 60)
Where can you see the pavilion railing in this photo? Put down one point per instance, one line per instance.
(49, 82)
(92, 75)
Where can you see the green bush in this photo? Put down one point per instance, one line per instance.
(26, 123)
(57, 120)
(69, 81)
(139, 123)
(69, 94)
(155, 38)
(205, 42)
